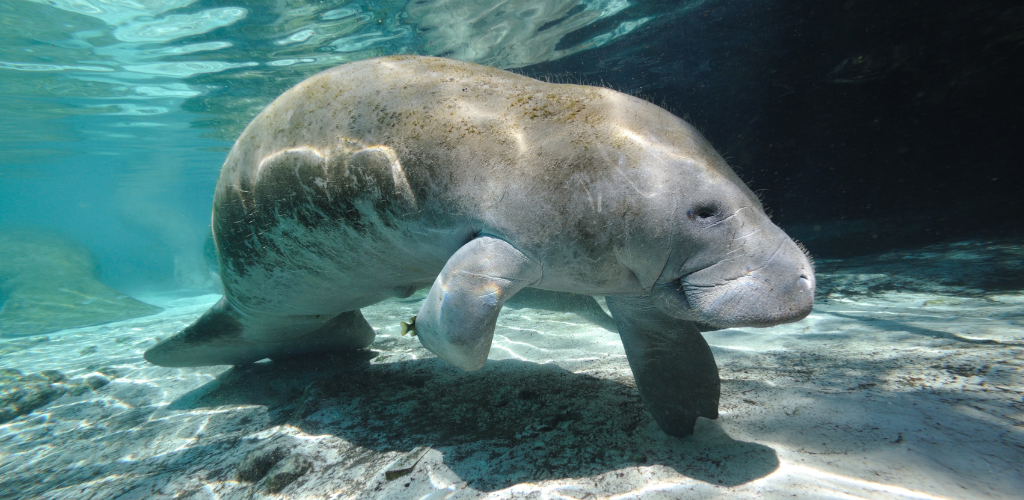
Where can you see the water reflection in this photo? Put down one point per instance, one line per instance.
(146, 45)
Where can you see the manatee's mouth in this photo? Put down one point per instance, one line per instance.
(779, 292)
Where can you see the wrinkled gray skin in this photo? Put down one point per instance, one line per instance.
(379, 177)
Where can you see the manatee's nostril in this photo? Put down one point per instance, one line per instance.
(805, 281)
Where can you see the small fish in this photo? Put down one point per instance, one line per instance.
(409, 327)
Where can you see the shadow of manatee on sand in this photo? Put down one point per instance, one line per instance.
(508, 423)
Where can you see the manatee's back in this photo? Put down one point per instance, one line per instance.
(312, 213)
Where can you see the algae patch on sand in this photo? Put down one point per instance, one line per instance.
(48, 284)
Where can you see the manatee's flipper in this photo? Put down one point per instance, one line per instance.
(457, 319)
(674, 368)
(344, 332)
(222, 336)
(404, 292)
(216, 338)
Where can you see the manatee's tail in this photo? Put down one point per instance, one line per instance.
(223, 336)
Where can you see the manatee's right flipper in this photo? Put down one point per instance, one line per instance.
(674, 368)
(456, 321)
(345, 332)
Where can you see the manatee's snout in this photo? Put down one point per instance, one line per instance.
(781, 291)
(760, 292)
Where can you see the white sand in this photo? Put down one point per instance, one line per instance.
(910, 391)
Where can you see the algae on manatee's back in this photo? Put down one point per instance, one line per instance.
(47, 283)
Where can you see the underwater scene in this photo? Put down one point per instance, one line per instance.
(511, 249)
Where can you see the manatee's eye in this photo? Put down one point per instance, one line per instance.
(704, 211)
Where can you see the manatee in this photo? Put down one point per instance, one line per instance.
(380, 177)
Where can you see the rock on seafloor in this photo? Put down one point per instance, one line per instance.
(906, 382)
(20, 394)
(48, 284)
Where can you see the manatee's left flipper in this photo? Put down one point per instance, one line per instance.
(674, 368)
(457, 319)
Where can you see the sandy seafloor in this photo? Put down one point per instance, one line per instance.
(905, 382)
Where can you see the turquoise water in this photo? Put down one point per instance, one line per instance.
(116, 116)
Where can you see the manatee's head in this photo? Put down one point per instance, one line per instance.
(735, 268)
(702, 242)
